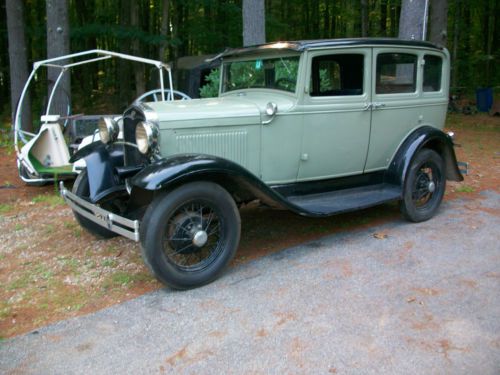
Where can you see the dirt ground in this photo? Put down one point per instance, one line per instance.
(50, 269)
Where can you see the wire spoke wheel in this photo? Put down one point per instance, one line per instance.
(193, 236)
(425, 184)
(424, 187)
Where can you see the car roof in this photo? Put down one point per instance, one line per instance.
(302, 45)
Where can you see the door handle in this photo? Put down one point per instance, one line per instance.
(367, 106)
(378, 105)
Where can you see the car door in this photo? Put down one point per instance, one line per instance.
(396, 110)
(336, 110)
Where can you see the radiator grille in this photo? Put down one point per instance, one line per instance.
(132, 155)
(229, 145)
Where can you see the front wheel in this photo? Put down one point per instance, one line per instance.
(424, 186)
(189, 235)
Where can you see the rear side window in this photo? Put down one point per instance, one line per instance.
(432, 73)
(337, 75)
(396, 73)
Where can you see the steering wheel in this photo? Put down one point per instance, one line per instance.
(155, 96)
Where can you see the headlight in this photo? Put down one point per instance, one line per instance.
(108, 129)
(146, 136)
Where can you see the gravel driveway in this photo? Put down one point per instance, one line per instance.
(399, 298)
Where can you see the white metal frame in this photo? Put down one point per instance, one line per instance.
(60, 63)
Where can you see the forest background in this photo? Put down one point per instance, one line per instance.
(169, 29)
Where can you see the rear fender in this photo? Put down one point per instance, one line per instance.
(424, 137)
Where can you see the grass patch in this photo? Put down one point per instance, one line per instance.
(5, 311)
(21, 282)
(70, 264)
(49, 228)
(5, 208)
(109, 263)
(77, 232)
(74, 227)
(52, 200)
(43, 272)
(70, 225)
(122, 279)
(465, 189)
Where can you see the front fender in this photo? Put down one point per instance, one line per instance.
(424, 137)
(173, 171)
(102, 161)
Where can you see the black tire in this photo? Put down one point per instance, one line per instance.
(424, 187)
(200, 212)
(81, 189)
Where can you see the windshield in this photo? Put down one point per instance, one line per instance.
(279, 73)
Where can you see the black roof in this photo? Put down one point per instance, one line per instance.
(302, 45)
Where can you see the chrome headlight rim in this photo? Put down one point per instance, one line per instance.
(146, 137)
(108, 129)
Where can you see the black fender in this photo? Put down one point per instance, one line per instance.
(102, 161)
(424, 137)
(242, 184)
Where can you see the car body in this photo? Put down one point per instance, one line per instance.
(317, 127)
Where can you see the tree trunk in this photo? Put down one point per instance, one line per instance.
(17, 60)
(58, 45)
(315, 19)
(454, 56)
(254, 22)
(439, 22)
(139, 70)
(383, 17)
(164, 28)
(124, 79)
(411, 22)
(364, 18)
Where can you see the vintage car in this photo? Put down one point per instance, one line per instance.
(316, 127)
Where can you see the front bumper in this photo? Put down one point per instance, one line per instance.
(113, 222)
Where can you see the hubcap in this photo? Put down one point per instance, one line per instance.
(431, 187)
(200, 238)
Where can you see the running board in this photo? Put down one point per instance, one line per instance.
(339, 201)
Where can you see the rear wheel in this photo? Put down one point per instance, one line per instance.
(424, 186)
(189, 235)
(81, 189)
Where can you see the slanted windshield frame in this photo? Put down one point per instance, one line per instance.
(271, 72)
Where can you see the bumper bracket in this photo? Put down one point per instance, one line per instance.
(113, 222)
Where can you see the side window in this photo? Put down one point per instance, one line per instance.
(432, 73)
(337, 75)
(396, 73)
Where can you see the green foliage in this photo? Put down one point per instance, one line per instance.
(211, 88)
(279, 73)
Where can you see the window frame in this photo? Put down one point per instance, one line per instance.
(363, 97)
(415, 79)
(388, 97)
(444, 82)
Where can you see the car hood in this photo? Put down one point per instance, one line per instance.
(245, 108)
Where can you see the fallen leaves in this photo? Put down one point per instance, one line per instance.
(380, 235)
